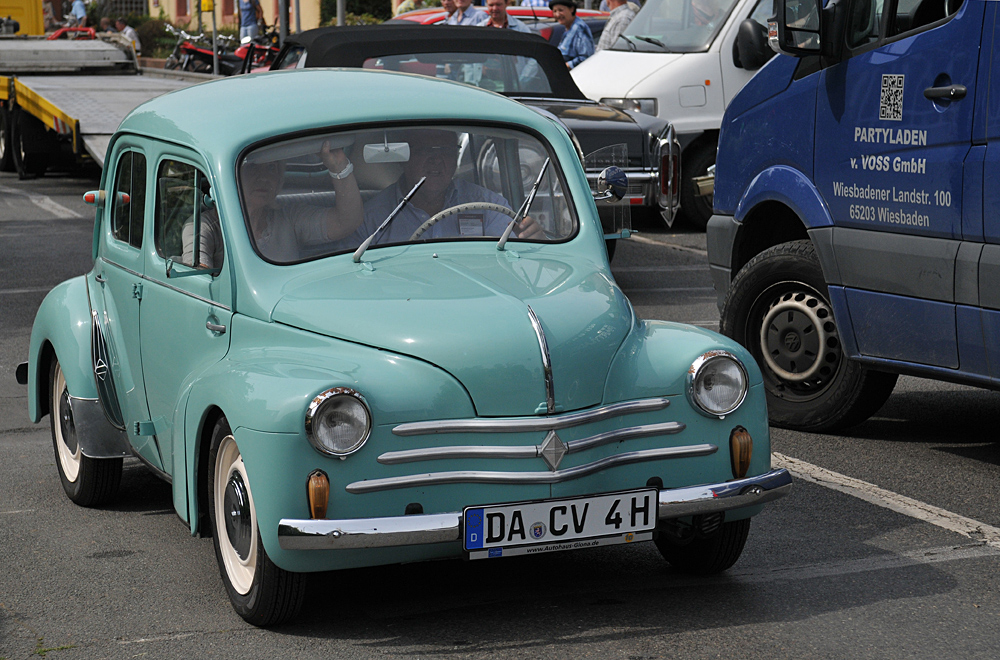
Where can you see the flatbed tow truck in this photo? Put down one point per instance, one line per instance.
(61, 100)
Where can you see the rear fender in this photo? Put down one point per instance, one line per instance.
(61, 330)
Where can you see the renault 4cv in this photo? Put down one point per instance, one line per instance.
(380, 326)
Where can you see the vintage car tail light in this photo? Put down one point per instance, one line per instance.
(318, 490)
(338, 422)
(717, 383)
(740, 449)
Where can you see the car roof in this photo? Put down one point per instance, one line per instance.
(222, 117)
(350, 46)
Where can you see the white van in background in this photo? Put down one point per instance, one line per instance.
(679, 60)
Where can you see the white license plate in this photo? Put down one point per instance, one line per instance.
(528, 527)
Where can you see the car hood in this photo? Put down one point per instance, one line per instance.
(597, 126)
(613, 73)
(468, 314)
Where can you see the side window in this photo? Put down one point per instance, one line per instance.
(129, 201)
(186, 221)
(864, 22)
(763, 12)
(912, 15)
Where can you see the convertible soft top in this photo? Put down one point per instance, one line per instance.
(350, 46)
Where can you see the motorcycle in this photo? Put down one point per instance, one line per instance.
(259, 52)
(193, 52)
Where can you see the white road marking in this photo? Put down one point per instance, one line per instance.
(14, 292)
(669, 289)
(43, 202)
(871, 493)
(659, 269)
(650, 241)
(17, 511)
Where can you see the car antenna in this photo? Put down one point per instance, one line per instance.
(368, 241)
(524, 207)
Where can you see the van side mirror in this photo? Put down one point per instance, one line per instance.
(795, 27)
(751, 50)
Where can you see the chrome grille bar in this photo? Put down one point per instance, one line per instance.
(558, 476)
(479, 451)
(530, 424)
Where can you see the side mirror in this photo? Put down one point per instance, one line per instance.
(795, 27)
(612, 183)
(751, 50)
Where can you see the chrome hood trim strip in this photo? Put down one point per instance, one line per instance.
(445, 527)
(550, 392)
(558, 476)
(530, 424)
(572, 446)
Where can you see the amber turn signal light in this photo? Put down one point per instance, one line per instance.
(740, 449)
(318, 489)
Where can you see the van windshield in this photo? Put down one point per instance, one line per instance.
(675, 26)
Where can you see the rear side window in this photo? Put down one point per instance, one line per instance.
(129, 201)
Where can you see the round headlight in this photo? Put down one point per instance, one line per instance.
(717, 383)
(338, 422)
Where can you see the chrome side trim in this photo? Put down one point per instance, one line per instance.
(479, 451)
(550, 395)
(445, 527)
(530, 424)
(168, 286)
(558, 476)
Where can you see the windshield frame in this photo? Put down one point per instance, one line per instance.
(408, 124)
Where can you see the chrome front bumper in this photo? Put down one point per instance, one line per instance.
(446, 527)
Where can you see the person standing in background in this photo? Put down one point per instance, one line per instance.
(621, 15)
(466, 14)
(79, 13)
(577, 44)
(250, 16)
(498, 17)
(129, 33)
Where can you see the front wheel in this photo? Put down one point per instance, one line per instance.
(87, 481)
(778, 307)
(705, 555)
(261, 593)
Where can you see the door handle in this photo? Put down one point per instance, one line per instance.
(215, 327)
(949, 92)
(100, 278)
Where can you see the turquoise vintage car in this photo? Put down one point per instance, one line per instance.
(371, 320)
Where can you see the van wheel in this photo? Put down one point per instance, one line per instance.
(697, 208)
(706, 555)
(778, 307)
(29, 145)
(6, 150)
(261, 593)
(87, 481)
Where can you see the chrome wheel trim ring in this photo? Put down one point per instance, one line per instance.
(775, 334)
(241, 572)
(69, 459)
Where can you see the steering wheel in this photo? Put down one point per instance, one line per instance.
(458, 208)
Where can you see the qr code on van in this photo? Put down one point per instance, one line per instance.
(891, 102)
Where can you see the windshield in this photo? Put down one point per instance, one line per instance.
(675, 26)
(312, 197)
(505, 74)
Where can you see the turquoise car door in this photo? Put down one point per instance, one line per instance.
(116, 295)
(187, 301)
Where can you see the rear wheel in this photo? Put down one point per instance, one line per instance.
(261, 593)
(87, 481)
(6, 150)
(779, 308)
(30, 145)
(705, 555)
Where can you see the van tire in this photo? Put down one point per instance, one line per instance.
(6, 146)
(810, 383)
(30, 145)
(697, 208)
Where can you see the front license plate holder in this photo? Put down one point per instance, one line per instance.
(518, 528)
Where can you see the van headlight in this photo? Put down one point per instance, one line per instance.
(338, 422)
(716, 383)
(645, 106)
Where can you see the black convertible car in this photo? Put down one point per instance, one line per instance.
(521, 66)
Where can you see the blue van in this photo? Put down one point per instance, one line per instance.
(853, 239)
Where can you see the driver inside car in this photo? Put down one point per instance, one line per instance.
(434, 155)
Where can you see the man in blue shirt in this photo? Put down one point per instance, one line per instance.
(498, 17)
(466, 14)
(577, 44)
(250, 14)
(79, 12)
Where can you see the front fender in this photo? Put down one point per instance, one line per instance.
(61, 327)
(790, 187)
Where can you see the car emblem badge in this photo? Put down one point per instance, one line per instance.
(552, 450)
(101, 369)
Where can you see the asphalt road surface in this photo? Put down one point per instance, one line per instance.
(888, 546)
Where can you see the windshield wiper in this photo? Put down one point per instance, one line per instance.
(631, 44)
(368, 241)
(651, 40)
(524, 207)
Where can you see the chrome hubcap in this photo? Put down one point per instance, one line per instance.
(236, 505)
(799, 339)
